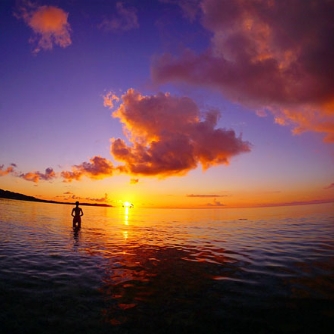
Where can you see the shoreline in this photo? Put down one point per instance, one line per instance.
(20, 197)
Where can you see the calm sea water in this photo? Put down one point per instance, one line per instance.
(268, 270)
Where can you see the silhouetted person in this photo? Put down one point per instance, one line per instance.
(76, 214)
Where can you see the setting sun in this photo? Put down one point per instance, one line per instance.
(127, 204)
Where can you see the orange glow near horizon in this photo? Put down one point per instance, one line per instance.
(172, 193)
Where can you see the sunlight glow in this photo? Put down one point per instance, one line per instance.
(126, 216)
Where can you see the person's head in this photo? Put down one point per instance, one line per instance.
(76, 203)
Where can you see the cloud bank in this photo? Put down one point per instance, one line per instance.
(270, 55)
(169, 135)
(49, 24)
(34, 176)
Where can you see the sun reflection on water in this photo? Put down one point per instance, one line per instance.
(126, 222)
(125, 234)
(126, 215)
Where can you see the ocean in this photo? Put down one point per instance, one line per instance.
(259, 270)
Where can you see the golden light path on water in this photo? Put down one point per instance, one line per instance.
(126, 221)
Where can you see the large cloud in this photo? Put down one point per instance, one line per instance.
(168, 136)
(274, 55)
(96, 168)
(49, 24)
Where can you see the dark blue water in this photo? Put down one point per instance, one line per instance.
(267, 270)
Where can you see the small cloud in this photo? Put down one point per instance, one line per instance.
(96, 168)
(331, 186)
(101, 199)
(49, 25)
(314, 201)
(215, 203)
(280, 120)
(37, 176)
(134, 181)
(109, 99)
(8, 170)
(205, 196)
(126, 19)
(170, 136)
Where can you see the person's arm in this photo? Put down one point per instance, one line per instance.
(81, 212)
(72, 213)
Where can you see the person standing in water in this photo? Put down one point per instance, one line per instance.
(76, 214)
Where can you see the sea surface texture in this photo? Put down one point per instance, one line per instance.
(264, 270)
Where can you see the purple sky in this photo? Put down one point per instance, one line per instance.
(168, 103)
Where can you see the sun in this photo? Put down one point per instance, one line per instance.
(127, 204)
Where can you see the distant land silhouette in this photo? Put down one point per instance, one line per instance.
(20, 197)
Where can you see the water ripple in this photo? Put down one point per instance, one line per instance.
(182, 272)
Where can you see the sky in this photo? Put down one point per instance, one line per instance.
(168, 103)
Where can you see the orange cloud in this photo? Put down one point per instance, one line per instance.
(37, 176)
(273, 55)
(125, 20)
(97, 168)
(49, 25)
(109, 99)
(168, 136)
(8, 170)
